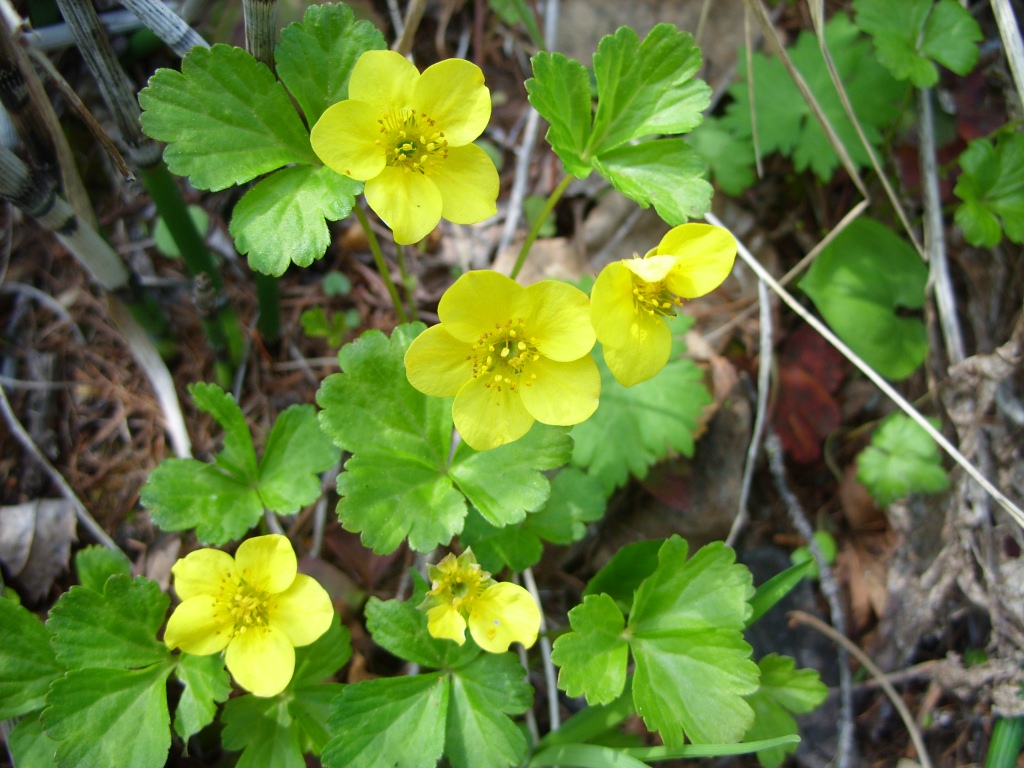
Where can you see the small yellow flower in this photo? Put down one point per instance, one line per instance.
(632, 298)
(254, 606)
(497, 613)
(409, 137)
(510, 355)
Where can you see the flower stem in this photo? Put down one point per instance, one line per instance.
(549, 205)
(407, 282)
(382, 266)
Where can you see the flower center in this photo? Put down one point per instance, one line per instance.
(411, 142)
(461, 587)
(502, 356)
(248, 608)
(654, 298)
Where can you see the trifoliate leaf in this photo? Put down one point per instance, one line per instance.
(238, 456)
(29, 746)
(206, 685)
(319, 660)
(315, 58)
(901, 459)
(110, 717)
(576, 499)
(992, 187)
(560, 91)
(783, 690)
(862, 283)
(483, 694)
(592, 658)
(113, 629)
(622, 575)
(401, 629)
(295, 455)
(729, 158)
(908, 35)
(693, 667)
(513, 546)
(27, 661)
(225, 118)
(263, 729)
(392, 722)
(665, 173)
(646, 88)
(95, 564)
(637, 426)
(283, 219)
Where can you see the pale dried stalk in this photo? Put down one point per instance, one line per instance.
(413, 17)
(1012, 44)
(260, 29)
(166, 24)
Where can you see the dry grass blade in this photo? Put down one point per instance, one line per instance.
(166, 25)
(1012, 44)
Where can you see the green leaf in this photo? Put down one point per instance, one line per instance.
(622, 575)
(776, 588)
(393, 722)
(29, 746)
(576, 499)
(206, 685)
(592, 658)
(513, 546)
(110, 717)
(646, 88)
(27, 662)
(862, 282)
(693, 667)
(585, 756)
(113, 629)
(315, 58)
(483, 694)
(729, 158)
(311, 710)
(901, 459)
(908, 35)
(321, 659)
(560, 91)
(665, 173)
(283, 219)
(95, 564)
(238, 456)
(992, 187)
(295, 455)
(783, 690)
(263, 729)
(637, 426)
(225, 118)
(401, 629)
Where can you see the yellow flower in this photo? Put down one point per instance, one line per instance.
(498, 613)
(510, 355)
(409, 137)
(254, 606)
(632, 298)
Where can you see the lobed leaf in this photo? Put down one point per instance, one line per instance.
(95, 564)
(263, 729)
(295, 455)
(901, 459)
(27, 661)
(560, 91)
(592, 658)
(206, 685)
(991, 185)
(783, 690)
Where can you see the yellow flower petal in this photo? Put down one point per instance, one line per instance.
(468, 182)
(480, 300)
(452, 94)
(560, 320)
(444, 622)
(503, 614)
(645, 354)
(201, 572)
(611, 304)
(196, 628)
(437, 363)
(487, 417)
(303, 611)
(345, 139)
(261, 660)
(562, 393)
(409, 203)
(704, 258)
(267, 562)
(651, 268)
(383, 79)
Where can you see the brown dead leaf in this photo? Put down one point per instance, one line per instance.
(858, 507)
(35, 543)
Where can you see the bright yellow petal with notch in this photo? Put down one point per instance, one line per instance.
(560, 320)
(408, 202)
(303, 611)
(261, 660)
(704, 258)
(202, 572)
(452, 94)
(505, 613)
(345, 139)
(562, 393)
(480, 300)
(612, 308)
(487, 418)
(267, 562)
(385, 80)
(436, 362)
(646, 353)
(197, 628)
(444, 622)
(468, 182)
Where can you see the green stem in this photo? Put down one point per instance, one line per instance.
(552, 201)
(407, 282)
(1007, 737)
(269, 297)
(382, 266)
